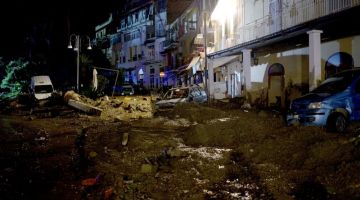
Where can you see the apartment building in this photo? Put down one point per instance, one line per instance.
(264, 48)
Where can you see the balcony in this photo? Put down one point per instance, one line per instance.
(170, 44)
(291, 15)
(150, 34)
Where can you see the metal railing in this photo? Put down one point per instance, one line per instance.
(290, 15)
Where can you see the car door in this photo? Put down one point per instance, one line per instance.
(356, 101)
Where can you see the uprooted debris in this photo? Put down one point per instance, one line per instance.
(117, 108)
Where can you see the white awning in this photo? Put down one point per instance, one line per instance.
(193, 62)
(218, 62)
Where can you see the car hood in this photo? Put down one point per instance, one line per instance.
(311, 97)
(169, 102)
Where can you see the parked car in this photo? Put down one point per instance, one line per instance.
(127, 90)
(333, 104)
(41, 87)
(175, 96)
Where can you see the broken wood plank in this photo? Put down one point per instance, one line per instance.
(85, 107)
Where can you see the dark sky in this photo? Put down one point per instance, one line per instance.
(55, 19)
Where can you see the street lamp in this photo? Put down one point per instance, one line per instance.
(77, 48)
(162, 74)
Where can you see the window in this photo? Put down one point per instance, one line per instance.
(152, 71)
(338, 62)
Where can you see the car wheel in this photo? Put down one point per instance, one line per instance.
(338, 123)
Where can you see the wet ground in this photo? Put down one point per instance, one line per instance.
(191, 152)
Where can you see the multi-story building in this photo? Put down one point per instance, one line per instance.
(103, 34)
(264, 48)
(140, 32)
(183, 50)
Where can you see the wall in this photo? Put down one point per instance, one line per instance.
(296, 63)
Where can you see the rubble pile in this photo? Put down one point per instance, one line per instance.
(116, 108)
(125, 108)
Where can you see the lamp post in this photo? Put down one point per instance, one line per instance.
(162, 74)
(77, 48)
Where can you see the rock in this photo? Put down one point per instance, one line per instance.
(176, 153)
(246, 106)
(71, 95)
(146, 168)
(125, 139)
(117, 119)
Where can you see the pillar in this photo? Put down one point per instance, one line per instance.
(247, 68)
(210, 75)
(315, 72)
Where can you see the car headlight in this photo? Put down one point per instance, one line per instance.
(314, 105)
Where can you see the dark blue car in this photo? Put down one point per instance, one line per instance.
(333, 104)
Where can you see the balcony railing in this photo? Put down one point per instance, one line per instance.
(292, 14)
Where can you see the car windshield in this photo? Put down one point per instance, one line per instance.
(177, 93)
(127, 89)
(333, 85)
(43, 89)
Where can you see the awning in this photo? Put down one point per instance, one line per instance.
(193, 62)
(218, 62)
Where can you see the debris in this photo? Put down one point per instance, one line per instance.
(71, 95)
(221, 166)
(117, 119)
(146, 168)
(125, 139)
(84, 107)
(108, 193)
(246, 106)
(92, 154)
(91, 181)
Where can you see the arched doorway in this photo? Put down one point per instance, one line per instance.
(338, 62)
(276, 84)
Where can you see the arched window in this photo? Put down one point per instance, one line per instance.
(338, 62)
(276, 69)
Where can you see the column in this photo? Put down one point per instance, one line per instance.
(247, 68)
(315, 72)
(210, 75)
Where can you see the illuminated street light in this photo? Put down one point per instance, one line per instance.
(77, 48)
(162, 74)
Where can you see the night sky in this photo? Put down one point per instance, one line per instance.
(39, 32)
(52, 19)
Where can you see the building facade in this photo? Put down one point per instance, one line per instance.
(184, 44)
(135, 43)
(265, 50)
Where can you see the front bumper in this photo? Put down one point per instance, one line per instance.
(310, 117)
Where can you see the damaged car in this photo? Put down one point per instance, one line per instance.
(175, 96)
(333, 104)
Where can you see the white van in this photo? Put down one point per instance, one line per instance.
(41, 87)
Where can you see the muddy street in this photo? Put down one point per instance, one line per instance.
(190, 152)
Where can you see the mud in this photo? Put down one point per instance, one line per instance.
(191, 152)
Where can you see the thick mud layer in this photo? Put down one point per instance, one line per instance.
(191, 152)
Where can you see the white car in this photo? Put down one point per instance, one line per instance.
(41, 87)
(182, 95)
